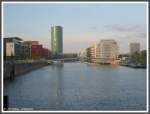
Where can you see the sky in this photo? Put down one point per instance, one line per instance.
(83, 24)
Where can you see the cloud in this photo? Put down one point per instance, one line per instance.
(93, 28)
(122, 28)
(141, 35)
(128, 31)
(115, 28)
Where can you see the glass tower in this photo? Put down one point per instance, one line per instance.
(57, 40)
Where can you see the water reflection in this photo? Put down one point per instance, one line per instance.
(76, 86)
(109, 76)
(58, 85)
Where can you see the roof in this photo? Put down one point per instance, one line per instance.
(17, 38)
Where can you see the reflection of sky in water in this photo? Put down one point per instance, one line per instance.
(76, 86)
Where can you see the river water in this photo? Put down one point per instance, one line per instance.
(79, 86)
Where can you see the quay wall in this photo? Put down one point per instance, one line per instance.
(21, 67)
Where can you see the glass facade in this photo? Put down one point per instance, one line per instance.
(57, 40)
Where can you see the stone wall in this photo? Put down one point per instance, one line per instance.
(21, 67)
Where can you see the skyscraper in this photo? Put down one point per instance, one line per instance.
(57, 40)
(134, 47)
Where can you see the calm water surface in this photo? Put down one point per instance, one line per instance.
(77, 86)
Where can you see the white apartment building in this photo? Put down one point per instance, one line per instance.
(108, 49)
(102, 52)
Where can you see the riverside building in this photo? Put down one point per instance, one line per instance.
(12, 46)
(106, 51)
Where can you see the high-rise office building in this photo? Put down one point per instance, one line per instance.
(57, 40)
(134, 47)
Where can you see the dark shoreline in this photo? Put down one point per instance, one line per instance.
(21, 68)
(126, 65)
(133, 66)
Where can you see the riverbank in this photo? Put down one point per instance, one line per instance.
(133, 65)
(16, 68)
(94, 63)
(121, 64)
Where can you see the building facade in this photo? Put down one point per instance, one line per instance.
(57, 40)
(26, 50)
(108, 49)
(134, 47)
(46, 53)
(91, 52)
(13, 46)
(27, 47)
(105, 51)
(37, 51)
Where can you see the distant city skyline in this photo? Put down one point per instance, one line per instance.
(83, 24)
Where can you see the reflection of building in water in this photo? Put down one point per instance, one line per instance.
(58, 63)
(58, 85)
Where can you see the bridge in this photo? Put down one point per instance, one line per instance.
(64, 60)
(67, 59)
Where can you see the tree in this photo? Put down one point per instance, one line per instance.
(143, 57)
(135, 57)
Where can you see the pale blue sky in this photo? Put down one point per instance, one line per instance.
(83, 24)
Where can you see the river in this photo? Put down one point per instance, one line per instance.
(79, 86)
